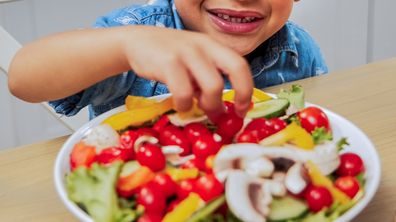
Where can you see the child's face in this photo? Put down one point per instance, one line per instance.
(240, 24)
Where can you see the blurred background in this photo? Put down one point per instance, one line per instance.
(350, 33)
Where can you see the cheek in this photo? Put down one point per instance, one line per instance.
(280, 11)
(190, 12)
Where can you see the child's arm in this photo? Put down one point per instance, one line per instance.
(188, 63)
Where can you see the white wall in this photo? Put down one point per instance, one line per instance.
(350, 33)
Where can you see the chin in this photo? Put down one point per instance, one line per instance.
(242, 49)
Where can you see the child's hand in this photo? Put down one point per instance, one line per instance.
(190, 64)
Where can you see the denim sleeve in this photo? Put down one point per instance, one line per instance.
(108, 90)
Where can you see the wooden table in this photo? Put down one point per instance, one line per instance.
(365, 95)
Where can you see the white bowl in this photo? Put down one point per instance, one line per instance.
(360, 144)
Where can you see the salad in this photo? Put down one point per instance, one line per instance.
(280, 163)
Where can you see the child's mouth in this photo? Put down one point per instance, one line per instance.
(238, 22)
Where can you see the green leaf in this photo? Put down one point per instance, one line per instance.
(360, 178)
(94, 190)
(320, 135)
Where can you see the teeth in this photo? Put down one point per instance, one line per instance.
(234, 19)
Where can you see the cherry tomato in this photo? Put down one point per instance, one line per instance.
(151, 156)
(208, 187)
(82, 155)
(165, 184)
(194, 163)
(150, 218)
(276, 125)
(112, 154)
(195, 130)
(248, 136)
(205, 146)
(147, 131)
(229, 106)
(313, 117)
(228, 125)
(152, 199)
(127, 142)
(351, 165)
(172, 135)
(348, 184)
(318, 198)
(185, 188)
(262, 128)
(161, 123)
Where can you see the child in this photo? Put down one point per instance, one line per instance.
(221, 38)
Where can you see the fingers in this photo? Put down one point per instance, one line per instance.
(239, 74)
(180, 85)
(209, 81)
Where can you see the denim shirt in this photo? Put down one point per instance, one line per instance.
(290, 54)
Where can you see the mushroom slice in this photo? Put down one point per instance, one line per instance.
(295, 180)
(172, 155)
(235, 156)
(246, 197)
(101, 137)
(260, 167)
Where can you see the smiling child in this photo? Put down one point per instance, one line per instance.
(191, 48)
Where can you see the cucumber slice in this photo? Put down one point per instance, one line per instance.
(207, 210)
(269, 108)
(286, 208)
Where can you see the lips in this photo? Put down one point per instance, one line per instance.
(238, 22)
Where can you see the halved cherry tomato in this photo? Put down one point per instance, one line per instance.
(312, 118)
(318, 198)
(150, 155)
(208, 187)
(112, 154)
(152, 199)
(195, 130)
(165, 183)
(205, 146)
(348, 184)
(351, 165)
(173, 135)
(82, 155)
(185, 188)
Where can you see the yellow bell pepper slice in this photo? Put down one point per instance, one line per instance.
(178, 174)
(134, 102)
(258, 96)
(195, 111)
(185, 209)
(318, 179)
(294, 134)
(138, 116)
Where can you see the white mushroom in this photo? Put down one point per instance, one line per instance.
(295, 180)
(246, 197)
(260, 167)
(276, 188)
(172, 155)
(101, 137)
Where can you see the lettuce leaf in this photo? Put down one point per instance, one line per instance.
(94, 191)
